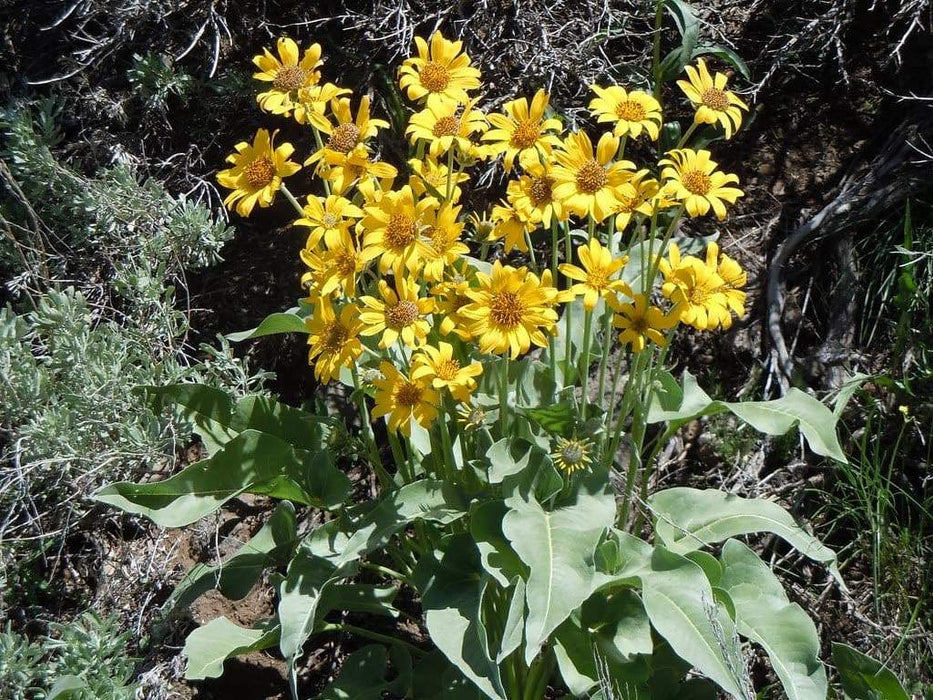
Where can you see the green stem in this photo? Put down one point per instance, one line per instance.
(604, 354)
(687, 134)
(374, 457)
(386, 571)
(585, 359)
(294, 202)
(375, 636)
(531, 252)
(568, 309)
(450, 171)
(399, 456)
(504, 395)
(656, 55)
(320, 145)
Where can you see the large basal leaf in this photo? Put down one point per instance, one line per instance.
(496, 554)
(864, 678)
(252, 462)
(676, 405)
(765, 615)
(330, 553)
(680, 604)
(209, 410)
(238, 573)
(210, 645)
(512, 633)
(363, 675)
(687, 519)
(452, 592)
(359, 598)
(558, 548)
(282, 322)
(300, 429)
(435, 678)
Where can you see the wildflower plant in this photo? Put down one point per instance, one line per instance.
(469, 340)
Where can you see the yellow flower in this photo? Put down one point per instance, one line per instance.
(691, 177)
(356, 167)
(442, 246)
(428, 180)
(523, 131)
(733, 276)
(451, 297)
(348, 132)
(597, 278)
(637, 196)
(471, 417)
(585, 182)
(712, 101)
(257, 172)
(334, 340)
(287, 74)
(512, 225)
(632, 112)
(571, 455)
(511, 310)
(337, 267)
(443, 125)
(328, 218)
(641, 322)
(401, 313)
(438, 71)
(402, 399)
(439, 366)
(696, 291)
(312, 104)
(533, 195)
(393, 228)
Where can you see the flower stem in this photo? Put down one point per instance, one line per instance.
(656, 56)
(375, 636)
(450, 171)
(374, 458)
(504, 395)
(294, 202)
(585, 359)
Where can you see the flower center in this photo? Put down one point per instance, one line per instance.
(573, 454)
(408, 394)
(446, 126)
(596, 279)
(447, 370)
(400, 231)
(526, 134)
(591, 177)
(696, 181)
(401, 315)
(330, 220)
(290, 78)
(434, 77)
(344, 138)
(335, 336)
(625, 203)
(639, 324)
(260, 172)
(440, 238)
(506, 309)
(345, 263)
(541, 190)
(717, 99)
(630, 111)
(700, 294)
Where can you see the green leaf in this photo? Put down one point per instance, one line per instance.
(618, 625)
(452, 592)
(689, 27)
(298, 428)
(510, 456)
(66, 687)
(238, 573)
(514, 621)
(210, 645)
(252, 462)
(360, 598)
(210, 410)
(284, 322)
(435, 678)
(864, 678)
(816, 422)
(680, 604)
(496, 554)
(764, 615)
(556, 419)
(726, 54)
(687, 519)
(558, 548)
(362, 676)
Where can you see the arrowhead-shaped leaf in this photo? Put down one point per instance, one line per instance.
(210, 645)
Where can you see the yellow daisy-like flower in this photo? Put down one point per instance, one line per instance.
(696, 292)
(287, 74)
(511, 310)
(597, 277)
(336, 268)
(471, 417)
(571, 455)
(522, 131)
(441, 246)
(348, 132)
(641, 322)
(733, 276)
(585, 181)
(355, 168)
(512, 225)
(399, 314)
(691, 177)
(712, 101)
(328, 218)
(428, 180)
(257, 172)
(440, 70)
(312, 103)
(440, 367)
(637, 196)
(334, 340)
(443, 125)
(393, 227)
(533, 195)
(451, 297)
(402, 399)
(631, 112)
